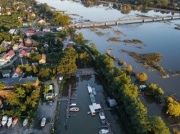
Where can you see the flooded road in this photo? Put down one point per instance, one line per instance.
(81, 122)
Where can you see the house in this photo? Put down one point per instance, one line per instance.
(59, 28)
(22, 53)
(43, 59)
(20, 18)
(15, 47)
(46, 29)
(25, 24)
(5, 43)
(9, 82)
(21, 45)
(9, 11)
(12, 31)
(30, 32)
(41, 21)
(28, 42)
(17, 73)
(6, 73)
(33, 14)
(7, 57)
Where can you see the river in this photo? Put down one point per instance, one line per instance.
(158, 37)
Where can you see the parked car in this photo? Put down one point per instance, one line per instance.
(43, 122)
(4, 120)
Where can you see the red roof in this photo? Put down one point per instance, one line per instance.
(30, 31)
(11, 52)
(23, 52)
(21, 44)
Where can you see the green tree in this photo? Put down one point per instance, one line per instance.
(157, 126)
(67, 64)
(154, 90)
(20, 92)
(35, 70)
(141, 76)
(128, 68)
(12, 98)
(173, 107)
(28, 68)
(44, 73)
(1, 86)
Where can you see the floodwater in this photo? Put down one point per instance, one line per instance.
(81, 122)
(157, 37)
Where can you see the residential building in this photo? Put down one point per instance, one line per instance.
(22, 53)
(28, 42)
(30, 32)
(7, 57)
(43, 59)
(6, 73)
(15, 47)
(41, 21)
(9, 82)
(17, 73)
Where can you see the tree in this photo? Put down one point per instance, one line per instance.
(12, 98)
(173, 107)
(154, 90)
(141, 76)
(67, 64)
(35, 70)
(128, 68)
(157, 126)
(44, 72)
(20, 92)
(1, 86)
(46, 89)
(28, 68)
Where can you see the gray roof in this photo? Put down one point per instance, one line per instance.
(12, 81)
(5, 72)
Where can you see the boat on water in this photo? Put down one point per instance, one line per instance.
(9, 122)
(93, 112)
(104, 131)
(72, 105)
(74, 109)
(102, 117)
(89, 88)
(43, 122)
(25, 122)
(14, 122)
(4, 120)
(93, 90)
(92, 98)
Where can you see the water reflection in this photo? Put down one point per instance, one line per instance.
(80, 122)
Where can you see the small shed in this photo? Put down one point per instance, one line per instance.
(112, 102)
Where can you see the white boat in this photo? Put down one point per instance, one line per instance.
(89, 88)
(14, 122)
(4, 120)
(104, 131)
(102, 117)
(25, 122)
(93, 90)
(92, 110)
(9, 122)
(43, 122)
(72, 104)
(74, 109)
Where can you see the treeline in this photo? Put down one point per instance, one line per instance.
(131, 109)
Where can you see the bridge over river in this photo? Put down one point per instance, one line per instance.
(124, 21)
